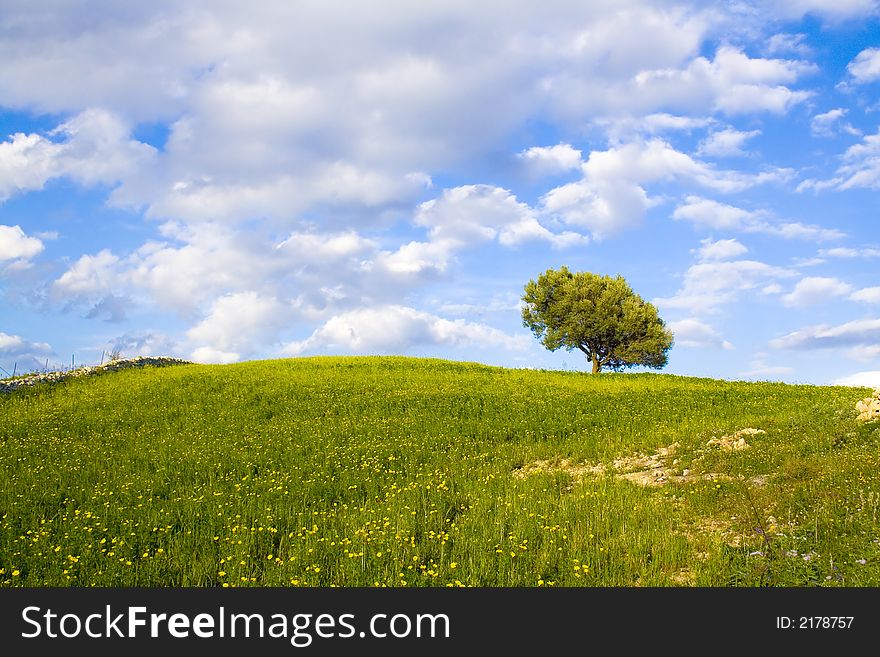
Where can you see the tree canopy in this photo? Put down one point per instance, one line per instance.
(599, 315)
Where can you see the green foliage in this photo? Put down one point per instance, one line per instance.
(401, 472)
(599, 315)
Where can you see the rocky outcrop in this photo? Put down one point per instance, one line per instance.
(735, 441)
(657, 469)
(869, 407)
(55, 377)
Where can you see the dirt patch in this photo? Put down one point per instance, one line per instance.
(575, 470)
(684, 577)
(723, 529)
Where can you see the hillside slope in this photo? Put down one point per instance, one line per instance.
(402, 472)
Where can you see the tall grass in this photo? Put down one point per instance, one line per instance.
(399, 472)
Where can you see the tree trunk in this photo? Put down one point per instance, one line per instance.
(597, 366)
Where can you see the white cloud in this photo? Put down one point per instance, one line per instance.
(394, 329)
(826, 124)
(760, 369)
(279, 124)
(95, 148)
(796, 230)
(26, 162)
(720, 249)
(861, 168)
(713, 215)
(544, 160)
(236, 326)
(866, 66)
(869, 379)
(16, 347)
(628, 128)
(315, 247)
(418, 257)
(849, 252)
(732, 83)
(860, 332)
(708, 285)
(472, 214)
(694, 333)
(815, 289)
(788, 43)
(97, 282)
(89, 275)
(199, 263)
(867, 295)
(725, 143)
(321, 273)
(214, 356)
(15, 244)
(610, 197)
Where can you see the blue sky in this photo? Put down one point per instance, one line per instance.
(223, 183)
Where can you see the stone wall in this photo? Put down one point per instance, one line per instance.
(9, 385)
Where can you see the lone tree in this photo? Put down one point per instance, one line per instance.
(600, 315)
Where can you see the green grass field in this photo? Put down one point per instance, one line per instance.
(410, 472)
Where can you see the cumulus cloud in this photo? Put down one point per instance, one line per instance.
(870, 379)
(707, 213)
(725, 143)
(708, 285)
(611, 197)
(212, 356)
(866, 66)
(732, 83)
(867, 295)
(275, 126)
(548, 160)
(15, 244)
(828, 123)
(815, 289)
(784, 43)
(860, 168)
(16, 347)
(97, 282)
(693, 332)
(395, 329)
(196, 264)
(713, 250)
(474, 213)
(93, 147)
(627, 128)
(236, 326)
(859, 332)
(89, 274)
(319, 272)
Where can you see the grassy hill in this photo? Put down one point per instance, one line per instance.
(396, 471)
